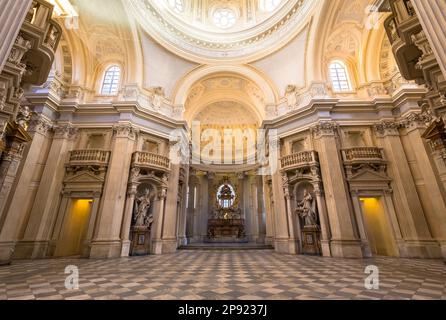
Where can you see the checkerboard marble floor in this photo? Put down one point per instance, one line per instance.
(215, 275)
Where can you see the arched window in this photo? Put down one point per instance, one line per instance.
(224, 18)
(111, 81)
(339, 77)
(269, 5)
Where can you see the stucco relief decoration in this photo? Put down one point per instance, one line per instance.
(199, 36)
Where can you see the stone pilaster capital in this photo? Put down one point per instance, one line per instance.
(386, 128)
(415, 121)
(40, 124)
(210, 175)
(324, 128)
(241, 175)
(134, 174)
(162, 194)
(318, 189)
(65, 131)
(125, 130)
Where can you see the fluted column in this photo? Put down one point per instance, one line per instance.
(325, 225)
(127, 220)
(12, 15)
(107, 241)
(170, 236)
(269, 208)
(293, 223)
(344, 242)
(158, 219)
(284, 242)
(432, 16)
(183, 209)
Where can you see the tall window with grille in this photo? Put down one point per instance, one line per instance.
(112, 77)
(339, 77)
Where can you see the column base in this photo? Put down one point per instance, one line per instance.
(31, 249)
(170, 245)
(325, 246)
(366, 251)
(182, 241)
(443, 249)
(346, 249)
(102, 249)
(6, 252)
(125, 248)
(287, 246)
(420, 249)
(269, 241)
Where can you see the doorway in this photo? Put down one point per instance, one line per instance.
(379, 231)
(74, 228)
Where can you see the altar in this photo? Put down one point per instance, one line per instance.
(226, 224)
(226, 230)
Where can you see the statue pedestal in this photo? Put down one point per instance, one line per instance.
(311, 240)
(140, 241)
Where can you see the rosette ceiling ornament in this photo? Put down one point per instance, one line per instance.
(233, 31)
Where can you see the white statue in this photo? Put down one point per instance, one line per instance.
(306, 211)
(290, 95)
(142, 208)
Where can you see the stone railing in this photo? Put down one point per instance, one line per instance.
(363, 154)
(150, 160)
(298, 160)
(89, 158)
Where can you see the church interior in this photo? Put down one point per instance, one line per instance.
(208, 142)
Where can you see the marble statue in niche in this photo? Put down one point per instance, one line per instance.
(309, 221)
(142, 218)
(306, 209)
(142, 223)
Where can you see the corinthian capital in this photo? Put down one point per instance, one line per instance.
(65, 131)
(124, 130)
(325, 128)
(416, 120)
(40, 124)
(386, 128)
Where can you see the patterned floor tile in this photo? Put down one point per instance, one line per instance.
(220, 275)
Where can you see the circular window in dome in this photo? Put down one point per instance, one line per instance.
(224, 18)
(269, 5)
(176, 5)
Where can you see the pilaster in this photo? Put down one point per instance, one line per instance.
(107, 241)
(344, 241)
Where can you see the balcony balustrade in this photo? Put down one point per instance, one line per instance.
(299, 160)
(150, 161)
(89, 158)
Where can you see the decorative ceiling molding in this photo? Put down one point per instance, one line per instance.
(243, 46)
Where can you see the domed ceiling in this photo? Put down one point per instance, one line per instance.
(208, 31)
